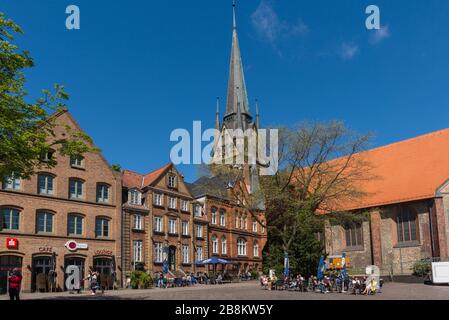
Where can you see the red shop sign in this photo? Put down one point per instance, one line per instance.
(12, 243)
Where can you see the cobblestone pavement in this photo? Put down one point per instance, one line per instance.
(252, 291)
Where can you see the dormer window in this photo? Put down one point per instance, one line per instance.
(172, 181)
(134, 197)
(47, 156)
(77, 162)
(197, 210)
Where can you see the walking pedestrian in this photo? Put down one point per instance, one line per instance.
(92, 277)
(15, 283)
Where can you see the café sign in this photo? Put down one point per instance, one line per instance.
(72, 245)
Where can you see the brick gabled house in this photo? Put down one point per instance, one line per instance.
(235, 233)
(158, 223)
(66, 215)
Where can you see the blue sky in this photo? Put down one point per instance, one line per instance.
(136, 70)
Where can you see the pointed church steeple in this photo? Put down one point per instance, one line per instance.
(217, 115)
(257, 115)
(237, 97)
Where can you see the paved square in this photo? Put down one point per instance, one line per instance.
(252, 291)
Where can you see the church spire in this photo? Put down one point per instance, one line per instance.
(257, 115)
(234, 24)
(217, 115)
(236, 84)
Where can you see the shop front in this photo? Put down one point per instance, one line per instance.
(79, 262)
(104, 265)
(43, 273)
(7, 263)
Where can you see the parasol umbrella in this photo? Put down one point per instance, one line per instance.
(321, 268)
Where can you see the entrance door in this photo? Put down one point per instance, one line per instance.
(75, 261)
(104, 267)
(7, 264)
(41, 268)
(172, 258)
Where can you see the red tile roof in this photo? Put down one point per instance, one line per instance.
(136, 180)
(407, 170)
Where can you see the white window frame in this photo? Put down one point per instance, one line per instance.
(224, 249)
(79, 186)
(104, 189)
(45, 214)
(199, 253)
(185, 254)
(135, 197)
(172, 181)
(197, 210)
(222, 218)
(158, 199)
(214, 245)
(12, 182)
(46, 190)
(256, 249)
(199, 230)
(241, 247)
(158, 225)
(184, 205)
(213, 216)
(138, 222)
(138, 251)
(185, 228)
(77, 162)
(158, 252)
(172, 226)
(172, 202)
(254, 226)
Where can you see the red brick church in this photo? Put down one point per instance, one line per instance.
(407, 204)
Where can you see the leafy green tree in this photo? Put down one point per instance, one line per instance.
(116, 167)
(319, 170)
(27, 129)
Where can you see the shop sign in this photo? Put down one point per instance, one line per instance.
(72, 245)
(12, 243)
(45, 249)
(103, 253)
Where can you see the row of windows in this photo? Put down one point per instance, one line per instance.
(10, 221)
(173, 226)
(46, 186)
(185, 250)
(241, 222)
(406, 228)
(241, 246)
(159, 252)
(135, 198)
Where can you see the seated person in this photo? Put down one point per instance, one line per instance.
(220, 279)
(371, 287)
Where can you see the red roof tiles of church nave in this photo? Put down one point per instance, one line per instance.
(405, 171)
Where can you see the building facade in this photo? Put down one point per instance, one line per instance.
(66, 215)
(406, 209)
(161, 224)
(235, 233)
